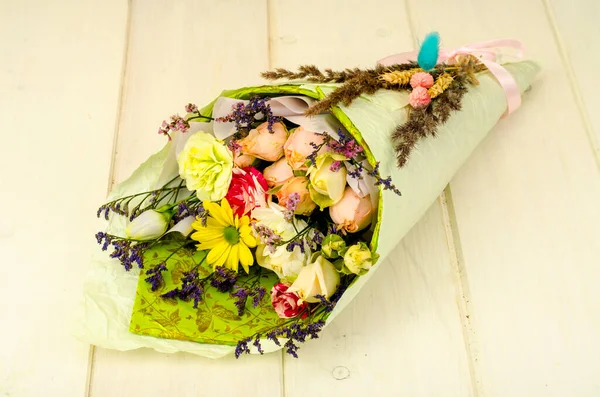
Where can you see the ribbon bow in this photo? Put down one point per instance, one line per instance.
(487, 54)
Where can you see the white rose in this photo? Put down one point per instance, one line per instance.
(285, 264)
(148, 226)
(318, 278)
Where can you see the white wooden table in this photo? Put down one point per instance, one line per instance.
(494, 293)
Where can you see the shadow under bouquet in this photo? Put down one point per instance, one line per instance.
(269, 208)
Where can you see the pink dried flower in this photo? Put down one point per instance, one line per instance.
(419, 98)
(421, 79)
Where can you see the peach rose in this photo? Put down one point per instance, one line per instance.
(263, 144)
(301, 201)
(298, 147)
(352, 212)
(243, 160)
(278, 173)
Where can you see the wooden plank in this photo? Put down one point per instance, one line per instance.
(402, 336)
(60, 77)
(526, 213)
(404, 329)
(180, 52)
(148, 373)
(575, 23)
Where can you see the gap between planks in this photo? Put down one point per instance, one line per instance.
(463, 295)
(577, 96)
(111, 179)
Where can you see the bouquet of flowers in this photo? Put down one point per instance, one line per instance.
(269, 208)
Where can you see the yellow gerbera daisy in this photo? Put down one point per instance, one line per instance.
(228, 237)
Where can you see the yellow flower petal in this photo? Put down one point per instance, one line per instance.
(246, 258)
(227, 212)
(247, 238)
(217, 252)
(234, 258)
(215, 212)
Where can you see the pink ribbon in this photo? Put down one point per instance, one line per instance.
(487, 55)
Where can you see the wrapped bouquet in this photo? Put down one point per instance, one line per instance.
(269, 208)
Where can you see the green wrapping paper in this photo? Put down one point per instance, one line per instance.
(111, 297)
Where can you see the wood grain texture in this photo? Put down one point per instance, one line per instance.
(402, 336)
(60, 74)
(527, 217)
(180, 52)
(408, 316)
(576, 29)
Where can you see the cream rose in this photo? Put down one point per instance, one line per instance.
(318, 278)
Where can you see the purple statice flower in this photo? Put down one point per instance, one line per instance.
(291, 348)
(234, 146)
(267, 236)
(379, 180)
(191, 289)
(177, 123)
(191, 108)
(357, 172)
(328, 304)
(272, 335)
(241, 295)
(335, 166)
(257, 344)
(223, 279)
(296, 243)
(126, 251)
(333, 229)
(345, 145)
(290, 206)
(257, 294)
(242, 347)
(317, 237)
(155, 278)
(243, 116)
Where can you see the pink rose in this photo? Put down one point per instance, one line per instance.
(278, 173)
(247, 191)
(421, 79)
(294, 196)
(419, 98)
(352, 212)
(286, 303)
(298, 147)
(263, 144)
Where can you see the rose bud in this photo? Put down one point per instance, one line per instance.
(247, 191)
(264, 144)
(327, 179)
(286, 304)
(148, 226)
(243, 160)
(333, 246)
(359, 259)
(298, 147)
(352, 212)
(300, 203)
(318, 278)
(278, 173)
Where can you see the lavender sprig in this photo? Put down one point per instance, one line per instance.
(350, 149)
(155, 277)
(191, 289)
(245, 116)
(223, 279)
(128, 252)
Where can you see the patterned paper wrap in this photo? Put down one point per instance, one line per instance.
(110, 293)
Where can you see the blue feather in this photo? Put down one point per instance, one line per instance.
(429, 52)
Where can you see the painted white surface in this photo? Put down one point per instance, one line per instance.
(493, 293)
